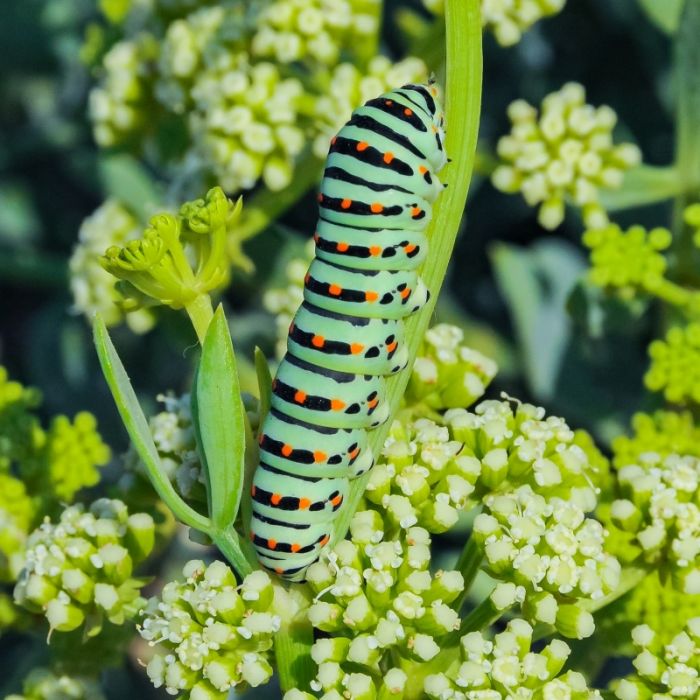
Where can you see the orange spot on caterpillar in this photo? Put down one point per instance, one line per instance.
(354, 453)
(409, 248)
(252, 490)
(336, 501)
(375, 250)
(408, 112)
(324, 541)
(371, 296)
(346, 203)
(295, 548)
(342, 247)
(307, 277)
(316, 237)
(300, 396)
(279, 570)
(333, 140)
(416, 211)
(405, 293)
(422, 169)
(318, 341)
(304, 503)
(376, 208)
(320, 196)
(252, 536)
(356, 348)
(275, 498)
(391, 346)
(272, 544)
(362, 146)
(388, 103)
(373, 403)
(261, 437)
(388, 157)
(287, 450)
(274, 384)
(337, 405)
(320, 456)
(334, 290)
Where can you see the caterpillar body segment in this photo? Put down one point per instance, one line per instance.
(375, 202)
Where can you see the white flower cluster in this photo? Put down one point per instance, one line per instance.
(508, 19)
(214, 635)
(554, 551)
(349, 88)
(447, 373)
(664, 671)
(117, 106)
(564, 153)
(93, 288)
(660, 510)
(80, 569)
(294, 30)
(521, 444)
(422, 479)
(506, 668)
(379, 597)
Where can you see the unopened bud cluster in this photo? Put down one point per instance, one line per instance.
(658, 516)
(627, 261)
(80, 570)
(210, 633)
(505, 667)
(564, 153)
(376, 597)
(551, 549)
(663, 669)
(675, 365)
(447, 373)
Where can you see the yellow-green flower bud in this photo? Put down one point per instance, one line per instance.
(674, 365)
(43, 684)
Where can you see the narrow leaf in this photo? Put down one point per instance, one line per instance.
(220, 421)
(125, 179)
(137, 426)
(535, 283)
(262, 369)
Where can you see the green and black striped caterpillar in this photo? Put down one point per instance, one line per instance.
(375, 203)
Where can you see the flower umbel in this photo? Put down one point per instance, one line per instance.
(675, 363)
(563, 153)
(213, 635)
(80, 570)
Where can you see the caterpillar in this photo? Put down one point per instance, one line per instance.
(375, 202)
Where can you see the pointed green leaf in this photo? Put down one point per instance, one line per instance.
(643, 185)
(137, 426)
(665, 14)
(220, 421)
(262, 369)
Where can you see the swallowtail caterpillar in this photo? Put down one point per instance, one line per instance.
(375, 202)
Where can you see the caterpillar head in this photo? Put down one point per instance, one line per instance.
(429, 95)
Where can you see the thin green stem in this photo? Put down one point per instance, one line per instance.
(201, 313)
(464, 75)
(482, 617)
(239, 556)
(468, 565)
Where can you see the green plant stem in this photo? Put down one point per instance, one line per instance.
(201, 313)
(482, 617)
(468, 565)
(241, 557)
(687, 135)
(295, 667)
(464, 75)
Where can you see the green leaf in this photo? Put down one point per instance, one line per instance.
(643, 185)
(220, 422)
(665, 14)
(262, 369)
(136, 425)
(688, 86)
(125, 179)
(535, 283)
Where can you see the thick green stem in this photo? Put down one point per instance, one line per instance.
(479, 619)
(464, 74)
(468, 565)
(201, 313)
(688, 134)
